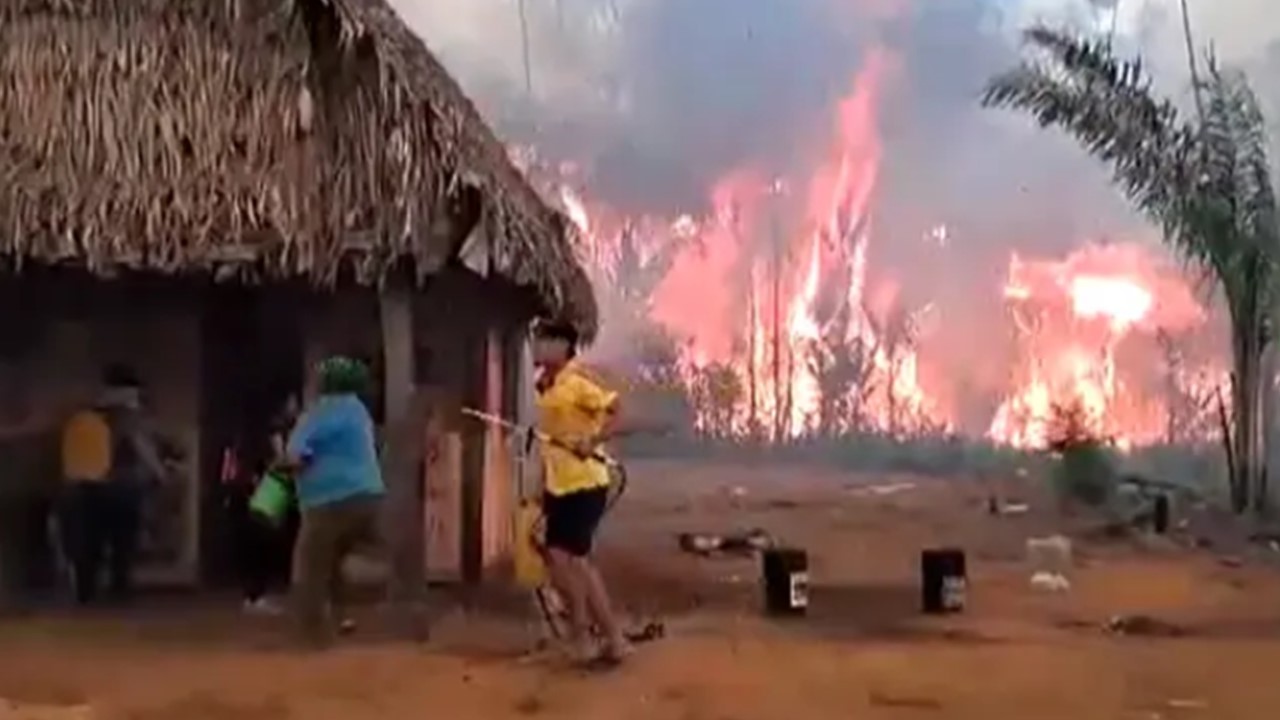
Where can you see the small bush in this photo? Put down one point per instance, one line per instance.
(1085, 471)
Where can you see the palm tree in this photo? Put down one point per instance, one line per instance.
(1206, 182)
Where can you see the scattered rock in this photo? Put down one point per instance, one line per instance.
(1142, 626)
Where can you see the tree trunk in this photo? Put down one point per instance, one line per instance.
(1246, 412)
(1241, 411)
(403, 467)
(1262, 490)
(1265, 381)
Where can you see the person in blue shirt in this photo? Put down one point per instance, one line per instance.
(333, 453)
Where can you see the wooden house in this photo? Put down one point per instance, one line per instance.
(219, 192)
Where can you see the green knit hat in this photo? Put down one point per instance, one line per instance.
(340, 375)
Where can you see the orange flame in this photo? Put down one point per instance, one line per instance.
(783, 335)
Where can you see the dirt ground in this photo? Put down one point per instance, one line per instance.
(863, 651)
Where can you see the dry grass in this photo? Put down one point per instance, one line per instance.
(256, 139)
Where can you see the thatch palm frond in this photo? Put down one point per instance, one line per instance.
(1236, 156)
(1207, 182)
(1107, 104)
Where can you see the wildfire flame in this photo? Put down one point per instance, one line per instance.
(1070, 319)
(782, 332)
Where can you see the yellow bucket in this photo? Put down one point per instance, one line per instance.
(530, 568)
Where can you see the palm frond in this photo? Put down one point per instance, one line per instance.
(1234, 203)
(1256, 217)
(1107, 104)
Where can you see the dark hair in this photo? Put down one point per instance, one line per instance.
(119, 375)
(557, 330)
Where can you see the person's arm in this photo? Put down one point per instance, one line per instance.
(148, 450)
(606, 405)
(279, 444)
(300, 447)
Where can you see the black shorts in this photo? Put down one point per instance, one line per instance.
(572, 519)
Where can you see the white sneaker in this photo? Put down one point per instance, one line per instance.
(262, 606)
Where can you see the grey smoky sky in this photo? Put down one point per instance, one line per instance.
(663, 96)
(659, 98)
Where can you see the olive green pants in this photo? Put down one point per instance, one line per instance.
(329, 534)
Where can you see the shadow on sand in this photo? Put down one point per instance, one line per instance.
(876, 612)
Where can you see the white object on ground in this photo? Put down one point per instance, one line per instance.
(885, 489)
(263, 606)
(1015, 509)
(1050, 582)
(1050, 555)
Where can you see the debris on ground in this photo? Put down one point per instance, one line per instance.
(741, 543)
(1142, 626)
(1050, 582)
(996, 506)
(883, 490)
(652, 630)
(1051, 560)
(10, 710)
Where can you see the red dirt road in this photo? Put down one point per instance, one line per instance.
(863, 652)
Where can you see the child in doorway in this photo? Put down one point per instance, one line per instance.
(263, 550)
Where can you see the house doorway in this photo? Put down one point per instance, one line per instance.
(254, 360)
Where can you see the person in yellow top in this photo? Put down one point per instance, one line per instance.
(107, 460)
(577, 416)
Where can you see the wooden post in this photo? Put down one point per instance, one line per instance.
(403, 456)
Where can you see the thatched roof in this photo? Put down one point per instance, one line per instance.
(268, 138)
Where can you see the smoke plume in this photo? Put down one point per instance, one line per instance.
(655, 101)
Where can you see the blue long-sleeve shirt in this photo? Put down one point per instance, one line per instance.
(335, 442)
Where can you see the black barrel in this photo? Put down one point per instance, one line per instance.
(1160, 514)
(943, 580)
(786, 581)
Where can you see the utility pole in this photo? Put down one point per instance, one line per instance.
(524, 48)
(779, 416)
(1115, 22)
(1191, 60)
(753, 317)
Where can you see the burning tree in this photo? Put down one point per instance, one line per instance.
(1085, 472)
(662, 394)
(1206, 182)
(844, 368)
(717, 389)
(1188, 404)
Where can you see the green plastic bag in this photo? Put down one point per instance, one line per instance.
(271, 498)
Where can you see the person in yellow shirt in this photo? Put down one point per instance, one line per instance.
(108, 458)
(578, 416)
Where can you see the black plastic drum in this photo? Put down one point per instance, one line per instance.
(786, 581)
(944, 580)
(1160, 515)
